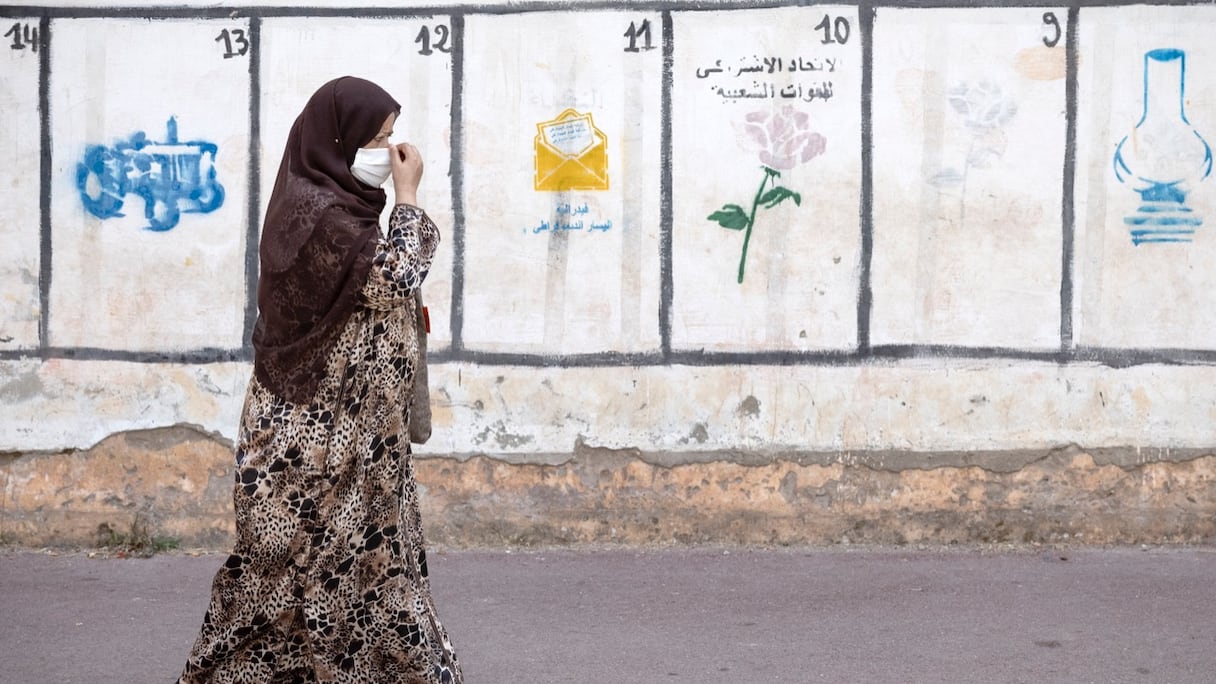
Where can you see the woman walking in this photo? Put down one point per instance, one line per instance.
(327, 581)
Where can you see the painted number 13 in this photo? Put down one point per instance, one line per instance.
(235, 42)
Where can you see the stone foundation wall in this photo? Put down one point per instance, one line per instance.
(177, 482)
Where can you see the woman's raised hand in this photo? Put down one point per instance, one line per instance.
(407, 172)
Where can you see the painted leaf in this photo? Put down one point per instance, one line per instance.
(946, 178)
(982, 157)
(778, 195)
(730, 216)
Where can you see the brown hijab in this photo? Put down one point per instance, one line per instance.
(319, 237)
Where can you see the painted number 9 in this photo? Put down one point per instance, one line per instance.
(1052, 24)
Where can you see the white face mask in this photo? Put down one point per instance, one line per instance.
(372, 166)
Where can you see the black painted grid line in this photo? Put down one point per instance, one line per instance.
(1105, 356)
(1068, 196)
(880, 355)
(666, 281)
(865, 295)
(200, 356)
(501, 8)
(252, 231)
(456, 182)
(1019, 4)
(44, 196)
(530, 360)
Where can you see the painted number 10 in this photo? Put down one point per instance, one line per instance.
(834, 31)
(639, 32)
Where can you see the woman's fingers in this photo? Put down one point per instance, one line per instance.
(407, 168)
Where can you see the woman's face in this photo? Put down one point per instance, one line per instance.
(381, 139)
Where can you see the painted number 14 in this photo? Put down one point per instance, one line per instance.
(24, 36)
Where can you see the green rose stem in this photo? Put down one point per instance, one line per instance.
(751, 220)
(734, 217)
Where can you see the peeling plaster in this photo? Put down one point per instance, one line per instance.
(21, 386)
(749, 407)
(895, 415)
(501, 437)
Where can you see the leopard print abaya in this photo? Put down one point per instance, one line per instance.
(327, 582)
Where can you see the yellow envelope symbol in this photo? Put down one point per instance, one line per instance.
(571, 154)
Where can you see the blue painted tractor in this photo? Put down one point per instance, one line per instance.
(171, 177)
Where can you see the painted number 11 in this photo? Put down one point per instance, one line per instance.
(637, 33)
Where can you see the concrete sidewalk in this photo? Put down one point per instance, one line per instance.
(685, 615)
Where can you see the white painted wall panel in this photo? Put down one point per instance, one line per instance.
(550, 271)
(20, 218)
(749, 84)
(301, 54)
(120, 284)
(1151, 294)
(968, 174)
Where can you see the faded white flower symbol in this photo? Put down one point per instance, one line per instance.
(982, 104)
(985, 110)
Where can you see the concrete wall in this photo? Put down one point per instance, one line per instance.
(743, 273)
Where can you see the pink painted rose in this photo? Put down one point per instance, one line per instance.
(783, 139)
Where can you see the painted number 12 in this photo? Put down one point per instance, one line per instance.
(441, 40)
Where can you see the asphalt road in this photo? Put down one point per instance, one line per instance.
(685, 615)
